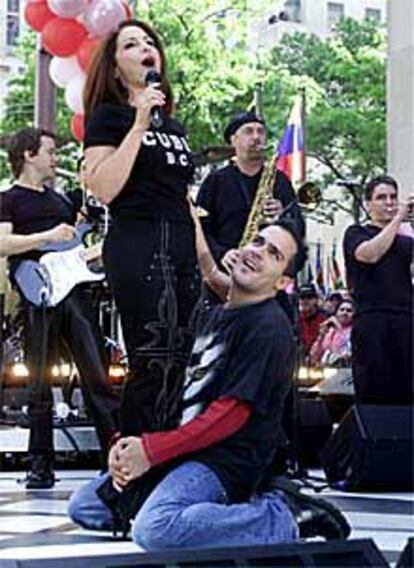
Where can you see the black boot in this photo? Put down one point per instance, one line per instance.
(41, 474)
(315, 516)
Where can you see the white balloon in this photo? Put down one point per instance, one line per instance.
(74, 92)
(63, 69)
(103, 16)
(67, 8)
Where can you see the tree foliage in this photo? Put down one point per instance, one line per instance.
(345, 83)
(20, 106)
(214, 71)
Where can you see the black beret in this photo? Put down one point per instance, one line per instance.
(308, 291)
(239, 120)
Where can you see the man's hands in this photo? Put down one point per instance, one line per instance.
(127, 461)
(230, 259)
(61, 232)
(272, 209)
(405, 209)
(332, 321)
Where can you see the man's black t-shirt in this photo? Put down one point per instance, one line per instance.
(158, 182)
(383, 285)
(245, 353)
(31, 211)
(227, 195)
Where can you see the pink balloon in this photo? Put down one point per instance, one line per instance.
(103, 16)
(67, 8)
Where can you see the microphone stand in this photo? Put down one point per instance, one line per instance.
(5, 229)
(2, 306)
(297, 470)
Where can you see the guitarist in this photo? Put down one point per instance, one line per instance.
(40, 216)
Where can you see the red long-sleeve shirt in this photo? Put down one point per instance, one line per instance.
(221, 419)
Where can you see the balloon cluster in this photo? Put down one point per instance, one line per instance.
(71, 30)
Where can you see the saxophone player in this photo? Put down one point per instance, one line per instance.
(228, 193)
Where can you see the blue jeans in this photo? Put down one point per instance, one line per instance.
(189, 509)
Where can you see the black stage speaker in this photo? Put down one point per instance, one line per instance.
(332, 553)
(315, 428)
(371, 449)
(406, 560)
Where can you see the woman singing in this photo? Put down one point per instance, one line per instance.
(142, 172)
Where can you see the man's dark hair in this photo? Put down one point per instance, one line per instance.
(297, 262)
(25, 140)
(335, 297)
(344, 301)
(374, 182)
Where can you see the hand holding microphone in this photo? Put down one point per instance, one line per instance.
(154, 78)
(149, 102)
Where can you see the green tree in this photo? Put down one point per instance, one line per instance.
(19, 107)
(344, 76)
(214, 71)
(211, 68)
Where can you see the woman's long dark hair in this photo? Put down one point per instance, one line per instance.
(101, 84)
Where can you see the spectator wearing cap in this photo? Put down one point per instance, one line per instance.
(310, 317)
(227, 193)
(332, 302)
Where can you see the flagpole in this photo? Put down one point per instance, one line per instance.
(303, 120)
(258, 99)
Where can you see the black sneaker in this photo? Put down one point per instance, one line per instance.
(315, 516)
(41, 474)
(40, 480)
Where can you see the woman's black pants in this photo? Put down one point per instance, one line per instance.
(152, 269)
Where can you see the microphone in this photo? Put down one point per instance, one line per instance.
(157, 119)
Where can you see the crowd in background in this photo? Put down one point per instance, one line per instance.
(325, 325)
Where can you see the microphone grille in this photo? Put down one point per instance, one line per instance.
(152, 77)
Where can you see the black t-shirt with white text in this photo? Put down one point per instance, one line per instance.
(245, 353)
(383, 285)
(158, 183)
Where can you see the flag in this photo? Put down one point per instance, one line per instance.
(291, 152)
(329, 276)
(337, 281)
(319, 269)
(311, 279)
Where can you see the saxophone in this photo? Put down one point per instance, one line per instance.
(265, 190)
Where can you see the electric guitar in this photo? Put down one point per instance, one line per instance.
(63, 266)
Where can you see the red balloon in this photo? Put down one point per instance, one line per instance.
(63, 36)
(77, 126)
(37, 14)
(86, 52)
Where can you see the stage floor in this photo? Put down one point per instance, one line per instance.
(34, 524)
